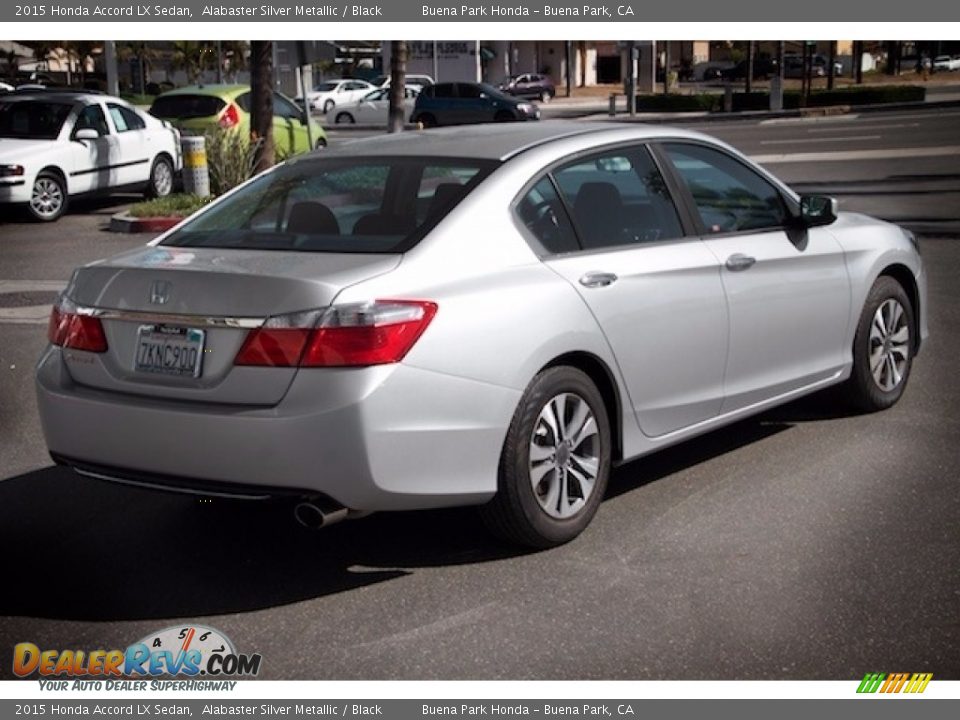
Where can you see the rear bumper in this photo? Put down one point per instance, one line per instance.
(14, 190)
(382, 438)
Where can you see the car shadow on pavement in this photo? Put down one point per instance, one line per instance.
(84, 549)
(102, 206)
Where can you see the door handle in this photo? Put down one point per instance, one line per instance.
(598, 279)
(739, 261)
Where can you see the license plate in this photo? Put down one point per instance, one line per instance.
(169, 350)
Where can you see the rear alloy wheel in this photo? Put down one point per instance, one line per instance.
(161, 178)
(344, 118)
(48, 197)
(883, 347)
(555, 462)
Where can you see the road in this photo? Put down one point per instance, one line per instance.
(804, 544)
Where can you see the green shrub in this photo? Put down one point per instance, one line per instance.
(230, 157)
(170, 206)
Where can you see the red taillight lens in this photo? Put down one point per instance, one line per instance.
(230, 117)
(273, 347)
(78, 332)
(346, 336)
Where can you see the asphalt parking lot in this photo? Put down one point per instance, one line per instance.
(808, 543)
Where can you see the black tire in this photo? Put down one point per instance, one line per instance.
(504, 116)
(545, 97)
(427, 120)
(864, 391)
(515, 514)
(344, 118)
(328, 106)
(321, 143)
(54, 186)
(161, 179)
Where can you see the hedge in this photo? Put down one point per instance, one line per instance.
(858, 95)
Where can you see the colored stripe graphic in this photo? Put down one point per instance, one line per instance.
(894, 682)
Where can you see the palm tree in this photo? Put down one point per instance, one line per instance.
(234, 58)
(192, 57)
(13, 64)
(141, 52)
(42, 50)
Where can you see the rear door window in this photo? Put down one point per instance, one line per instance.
(617, 198)
(125, 119)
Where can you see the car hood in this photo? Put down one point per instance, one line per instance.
(20, 151)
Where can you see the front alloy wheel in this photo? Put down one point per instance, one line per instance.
(883, 347)
(889, 345)
(48, 198)
(554, 463)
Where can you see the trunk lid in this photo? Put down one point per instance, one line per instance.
(155, 292)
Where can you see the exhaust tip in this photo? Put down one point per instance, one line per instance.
(316, 513)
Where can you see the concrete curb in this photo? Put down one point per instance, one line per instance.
(126, 223)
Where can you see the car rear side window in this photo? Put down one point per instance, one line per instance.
(730, 197)
(368, 205)
(618, 198)
(184, 107)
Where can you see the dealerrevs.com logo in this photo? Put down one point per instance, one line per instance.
(887, 683)
(191, 652)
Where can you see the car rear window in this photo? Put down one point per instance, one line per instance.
(363, 205)
(184, 107)
(32, 119)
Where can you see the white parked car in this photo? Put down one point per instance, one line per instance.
(335, 93)
(375, 107)
(57, 145)
(419, 82)
(945, 62)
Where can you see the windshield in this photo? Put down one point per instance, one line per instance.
(33, 119)
(363, 205)
(326, 87)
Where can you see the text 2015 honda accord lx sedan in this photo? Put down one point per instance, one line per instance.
(489, 317)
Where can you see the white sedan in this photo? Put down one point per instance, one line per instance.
(375, 107)
(335, 93)
(945, 62)
(57, 145)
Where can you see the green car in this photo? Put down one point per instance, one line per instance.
(199, 108)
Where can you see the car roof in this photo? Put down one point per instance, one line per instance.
(61, 96)
(495, 141)
(215, 90)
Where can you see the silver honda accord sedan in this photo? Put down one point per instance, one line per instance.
(491, 317)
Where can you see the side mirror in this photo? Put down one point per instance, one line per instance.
(86, 134)
(817, 210)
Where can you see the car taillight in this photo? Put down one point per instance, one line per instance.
(69, 329)
(354, 335)
(230, 117)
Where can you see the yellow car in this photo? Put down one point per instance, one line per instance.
(199, 108)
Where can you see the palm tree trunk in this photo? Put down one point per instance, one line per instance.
(398, 75)
(261, 110)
